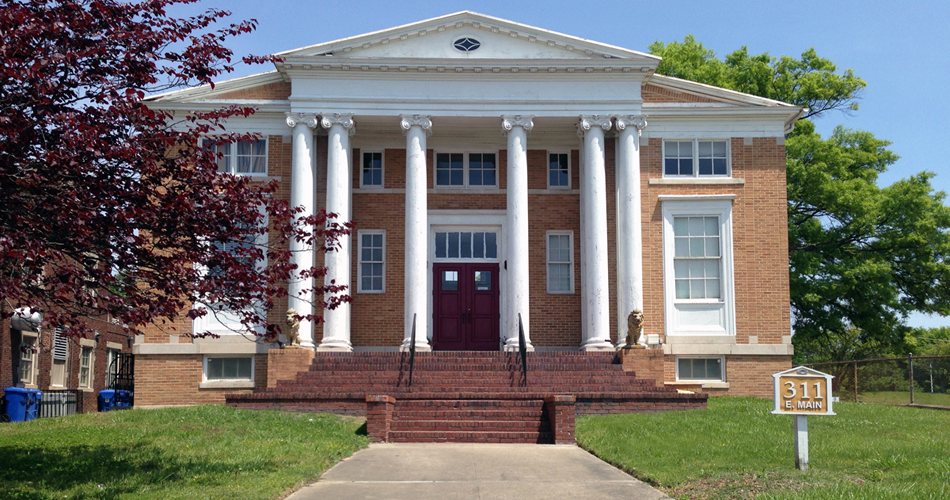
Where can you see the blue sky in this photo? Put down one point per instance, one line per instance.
(899, 48)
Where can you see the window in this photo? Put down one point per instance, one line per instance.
(696, 257)
(696, 158)
(219, 321)
(85, 368)
(697, 266)
(372, 270)
(560, 262)
(58, 370)
(28, 359)
(112, 367)
(466, 245)
(243, 157)
(372, 170)
(559, 171)
(230, 368)
(702, 369)
(466, 170)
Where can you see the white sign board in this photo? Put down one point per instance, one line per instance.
(802, 391)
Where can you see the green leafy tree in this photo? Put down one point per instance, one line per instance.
(862, 257)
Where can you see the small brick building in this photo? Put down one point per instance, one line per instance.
(57, 363)
(502, 175)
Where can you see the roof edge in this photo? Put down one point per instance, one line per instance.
(231, 85)
(689, 86)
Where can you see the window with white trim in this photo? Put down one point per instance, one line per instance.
(466, 245)
(372, 266)
(696, 158)
(229, 368)
(700, 369)
(60, 356)
(28, 351)
(560, 261)
(466, 170)
(559, 171)
(372, 173)
(218, 320)
(247, 157)
(85, 367)
(696, 257)
(698, 267)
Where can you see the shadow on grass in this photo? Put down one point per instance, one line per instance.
(362, 430)
(101, 471)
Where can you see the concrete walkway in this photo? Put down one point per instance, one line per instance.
(482, 471)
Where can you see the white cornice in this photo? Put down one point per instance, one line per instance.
(313, 67)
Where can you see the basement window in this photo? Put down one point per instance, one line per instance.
(700, 369)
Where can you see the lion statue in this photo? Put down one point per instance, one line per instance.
(634, 328)
(293, 328)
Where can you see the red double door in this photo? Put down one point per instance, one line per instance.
(465, 307)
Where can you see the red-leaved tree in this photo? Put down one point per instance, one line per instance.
(112, 209)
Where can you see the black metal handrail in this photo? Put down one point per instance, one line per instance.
(523, 351)
(412, 349)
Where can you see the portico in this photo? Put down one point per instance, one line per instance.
(513, 241)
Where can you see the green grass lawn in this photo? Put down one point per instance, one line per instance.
(738, 449)
(188, 453)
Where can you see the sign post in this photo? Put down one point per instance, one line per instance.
(801, 392)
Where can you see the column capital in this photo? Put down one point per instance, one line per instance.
(638, 122)
(408, 121)
(345, 120)
(510, 121)
(589, 121)
(309, 119)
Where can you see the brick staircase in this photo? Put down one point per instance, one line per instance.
(468, 396)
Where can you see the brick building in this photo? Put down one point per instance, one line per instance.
(84, 366)
(499, 173)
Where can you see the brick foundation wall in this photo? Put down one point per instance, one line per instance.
(284, 364)
(746, 375)
(173, 380)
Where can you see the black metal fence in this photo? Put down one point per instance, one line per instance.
(60, 403)
(923, 380)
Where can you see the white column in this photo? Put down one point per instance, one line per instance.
(336, 327)
(416, 128)
(629, 228)
(302, 194)
(517, 129)
(596, 294)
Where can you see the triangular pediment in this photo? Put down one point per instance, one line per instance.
(478, 36)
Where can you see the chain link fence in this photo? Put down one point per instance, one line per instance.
(923, 380)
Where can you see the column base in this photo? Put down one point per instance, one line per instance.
(512, 346)
(419, 347)
(598, 346)
(335, 346)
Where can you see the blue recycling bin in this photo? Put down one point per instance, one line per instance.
(18, 402)
(106, 400)
(33, 404)
(123, 399)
